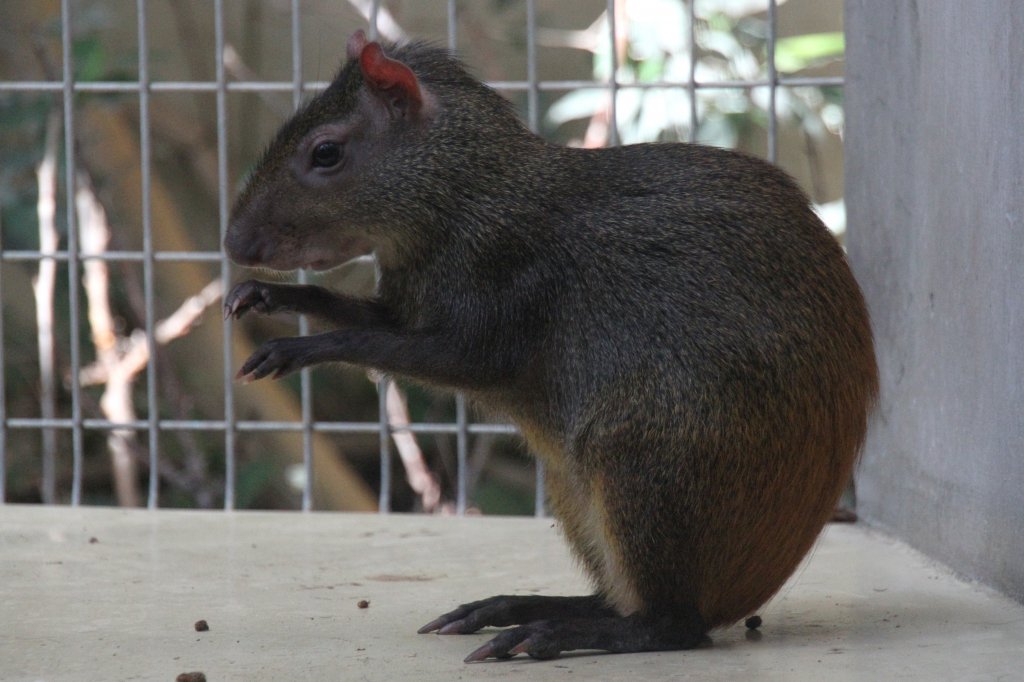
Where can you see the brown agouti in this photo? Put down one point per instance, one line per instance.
(674, 331)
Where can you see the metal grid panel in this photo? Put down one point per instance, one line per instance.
(67, 87)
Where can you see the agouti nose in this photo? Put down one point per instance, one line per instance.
(242, 249)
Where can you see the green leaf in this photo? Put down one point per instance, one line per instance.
(90, 59)
(650, 70)
(800, 52)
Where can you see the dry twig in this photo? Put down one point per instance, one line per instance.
(43, 288)
(116, 401)
(120, 359)
(420, 478)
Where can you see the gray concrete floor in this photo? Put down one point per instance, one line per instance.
(280, 594)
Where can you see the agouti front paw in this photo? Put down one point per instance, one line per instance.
(249, 295)
(279, 357)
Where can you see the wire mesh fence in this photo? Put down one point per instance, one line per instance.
(67, 416)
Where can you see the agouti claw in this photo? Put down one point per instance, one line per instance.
(453, 628)
(454, 622)
(249, 295)
(536, 640)
(243, 377)
(445, 625)
(277, 358)
(521, 648)
(481, 654)
(435, 624)
(489, 650)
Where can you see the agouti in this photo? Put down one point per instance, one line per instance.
(674, 331)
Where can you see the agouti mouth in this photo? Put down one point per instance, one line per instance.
(348, 249)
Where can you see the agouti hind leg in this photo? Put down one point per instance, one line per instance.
(546, 639)
(547, 626)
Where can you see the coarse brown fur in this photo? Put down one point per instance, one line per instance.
(675, 332)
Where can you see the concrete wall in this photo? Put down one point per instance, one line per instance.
(935, 194)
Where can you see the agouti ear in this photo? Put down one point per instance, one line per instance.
(356, 44)
(389, 79)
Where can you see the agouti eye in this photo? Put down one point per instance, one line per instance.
(326, 155)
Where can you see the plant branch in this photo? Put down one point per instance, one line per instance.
(43, 285)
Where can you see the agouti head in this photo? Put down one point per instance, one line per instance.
(374, 162)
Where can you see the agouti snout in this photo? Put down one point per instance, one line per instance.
(674, 331)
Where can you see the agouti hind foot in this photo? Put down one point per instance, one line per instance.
(547, 639)
(505, 610)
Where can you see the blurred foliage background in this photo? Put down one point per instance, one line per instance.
(731, 39)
